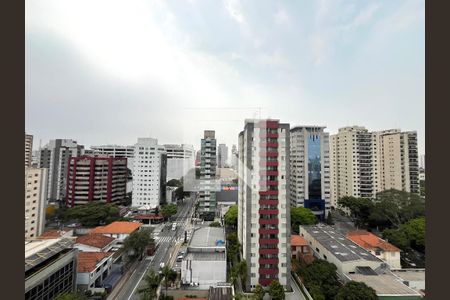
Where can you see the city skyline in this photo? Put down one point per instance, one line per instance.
(328, 63)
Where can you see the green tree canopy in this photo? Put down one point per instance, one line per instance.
(354, 290)
(92, 214)
(151, 283)
(168, 210)
(276, 290)
(302, 216)
(258, 292)
(135, 244)
(408, 235)
(231, 216)
(215, 224)
(360, 209)
(321, 276)
(232, 246)
(72, 296)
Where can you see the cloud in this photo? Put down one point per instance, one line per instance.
(234, 8)
(282, 17)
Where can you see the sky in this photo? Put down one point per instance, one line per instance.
(108, 72)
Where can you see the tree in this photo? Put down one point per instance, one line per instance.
(232, 246)
(92, 214)
(169, 276)
(355, 290)
(276, 290)
(151, 283)
(316, 292)
(72, 296)
(242, 270)
(408, 235)
(215, 224)
(135, 244)
(329, 219)
(302, 216)
(321, 274)
(168, 210)
(231, 216)
(174, 182)
(360, 209)
(399, 206)
(258, 293)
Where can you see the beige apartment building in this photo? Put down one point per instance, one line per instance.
(35, 201)
(363, 163)
(28, 149)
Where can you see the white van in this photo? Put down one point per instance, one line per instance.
(174, 226)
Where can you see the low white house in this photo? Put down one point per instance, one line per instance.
(92, 269)
(205, 262)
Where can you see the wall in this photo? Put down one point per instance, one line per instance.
(206, 273)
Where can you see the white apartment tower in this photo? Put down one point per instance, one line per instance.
(180, 159)
(35, 201)
(28, 150)
(364, 163)
(222, 156)
(208, 163)
(309, 184)
(149, 173)
(263, 205)
(116, 151)
(55, 157)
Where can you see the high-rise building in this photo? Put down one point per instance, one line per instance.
(208, 162)
(364, 163)
(222, 156)
(28, 149)
(263, 205)
(35, 201)
(116, 151)
(309, 184)
(96, 178)
(149, 173)
(234, 158)
(397, 160)
(422, 161)
(180, 159)
(55, 157)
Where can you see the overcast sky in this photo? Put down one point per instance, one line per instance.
(108, 72)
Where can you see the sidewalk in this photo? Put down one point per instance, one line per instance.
(122, 281)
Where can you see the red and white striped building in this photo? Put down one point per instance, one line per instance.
(96, 178)
(264, 211)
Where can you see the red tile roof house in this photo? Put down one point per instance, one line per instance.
(301, 249)
(119, 230)
(92, 269)
(377, 246)
(94, 243)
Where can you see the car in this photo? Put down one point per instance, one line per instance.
(161, 265)
(180, 258)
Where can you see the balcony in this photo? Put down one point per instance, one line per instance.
(269, 241)
(268, 221)
(269, 261)
(268, 202)
(273, 192)
(268, 271)
(265, 282)
(268, 211)
(268, 182)
(268, 154)
(269, 251)
(268, 144)
(268, 173)
(268, 163)
(263, 135)
(268, 231)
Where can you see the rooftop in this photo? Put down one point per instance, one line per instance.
(208, 237)
(342, 248)
(206, 256)
(37, 251)
(54, 234)
(384, 284)
(117, 228)
(87, 261)
(410, 274)
(370, 241)
(297, 240)
(94, 240)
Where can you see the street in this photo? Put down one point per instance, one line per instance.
(168, 240)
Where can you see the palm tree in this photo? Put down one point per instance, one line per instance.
(148, 292)
(169, 276)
